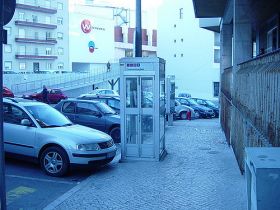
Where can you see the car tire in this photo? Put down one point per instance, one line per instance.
(183, 115)
(54, 161)
(115, 133)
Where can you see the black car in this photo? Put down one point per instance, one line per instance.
(111, 101)
(202, 111)
(208, 104)
(93, 114)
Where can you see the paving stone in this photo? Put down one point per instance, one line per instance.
(199, 172)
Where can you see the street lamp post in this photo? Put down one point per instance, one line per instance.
(2, 156)
(138, 30)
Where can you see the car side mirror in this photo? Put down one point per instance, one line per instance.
(25, 122)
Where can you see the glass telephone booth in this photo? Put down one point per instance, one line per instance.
(142, 108)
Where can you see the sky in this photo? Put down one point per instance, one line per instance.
(146, 4)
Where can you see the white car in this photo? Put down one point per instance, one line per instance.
(101, 92)
(38, 131)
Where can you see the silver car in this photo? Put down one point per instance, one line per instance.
(36, 130)
(182, 110)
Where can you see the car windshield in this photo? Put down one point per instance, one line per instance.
(192, 102)
(47, 116)
(210, 103)
(104, 108)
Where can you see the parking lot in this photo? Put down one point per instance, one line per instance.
(28, 187)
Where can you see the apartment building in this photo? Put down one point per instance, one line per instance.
(191, 53)
(37, 37)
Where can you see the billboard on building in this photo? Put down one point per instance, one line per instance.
(91, 39)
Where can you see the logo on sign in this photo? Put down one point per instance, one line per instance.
(91, 46)
(86, 26)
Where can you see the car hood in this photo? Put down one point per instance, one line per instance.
(79, 134)
(114, 118)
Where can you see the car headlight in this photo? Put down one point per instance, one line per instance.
(88, 147)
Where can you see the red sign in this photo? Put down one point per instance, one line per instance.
(86, 26)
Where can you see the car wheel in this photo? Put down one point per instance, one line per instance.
(54, 161)
(197, 115)
(115, 133)
(183, 115)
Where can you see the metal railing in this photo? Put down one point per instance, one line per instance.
(68, 80)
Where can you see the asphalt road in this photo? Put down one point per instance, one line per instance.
(28, 187)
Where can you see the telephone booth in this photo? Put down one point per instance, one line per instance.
(142, 108)
(170, 98)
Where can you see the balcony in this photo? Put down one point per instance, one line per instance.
(35, 24)
(36, 8)
(35, 56)
(36, 40)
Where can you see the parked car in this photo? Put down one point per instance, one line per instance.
(93, 114)
(201, 111)
(208, 104)
(55, 95)
(111, 101)
(7, 92)
(36, 130)
(102, 92)
(181, 111)
(185, 95)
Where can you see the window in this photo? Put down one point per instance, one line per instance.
(216, 55)
(217, 39)
(21, 33)
(48, 20)
(69, 107)
(175, 40)
(175, 55)
(86, 109)
(60, 21)
(22, 50)
(48, 35)
(181, 13)
(49, 66)
(8, 65)
(34, 18)
(7, 48)
(182, 40)
(182, 55)
(59, 35)
(13, 114)
(60, 51)
(60, 66)
(272, 40)
(48, 51)
(59, 6)
(36, 51)
(21, 15)
(216, 89)
(9, 30)
(114, 103)
(22, 66)
(128, 53)
(47, 3)
(36, 35)
(174, 25)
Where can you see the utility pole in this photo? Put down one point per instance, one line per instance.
(2, 155)
(138, 30)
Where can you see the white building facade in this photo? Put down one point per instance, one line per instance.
(191, 53)
(37, 37)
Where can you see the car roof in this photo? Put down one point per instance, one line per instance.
(100, 96)
(21, 101)
(80, 100)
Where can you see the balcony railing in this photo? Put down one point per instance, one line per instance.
(36, 40)
(36, 8)
(31, 23)
(35, 56)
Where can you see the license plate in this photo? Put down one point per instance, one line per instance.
(110, 154)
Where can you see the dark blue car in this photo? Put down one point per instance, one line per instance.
(93, 114)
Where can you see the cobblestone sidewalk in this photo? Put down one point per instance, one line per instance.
(199, 172)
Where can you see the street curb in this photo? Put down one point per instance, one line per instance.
(68, 194)
(71, 192)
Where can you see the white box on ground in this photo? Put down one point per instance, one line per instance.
(262, 169)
